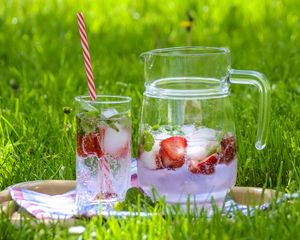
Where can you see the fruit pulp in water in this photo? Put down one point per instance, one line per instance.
(198, 162)
(103, 159)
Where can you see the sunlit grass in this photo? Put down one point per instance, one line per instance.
(41, 71)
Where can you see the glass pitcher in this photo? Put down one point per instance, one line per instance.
(187, 145)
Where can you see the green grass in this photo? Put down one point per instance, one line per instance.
(41, 71)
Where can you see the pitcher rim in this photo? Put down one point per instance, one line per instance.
(184, 51)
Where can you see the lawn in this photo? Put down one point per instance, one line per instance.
(41, 71)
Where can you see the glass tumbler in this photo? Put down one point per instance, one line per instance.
(103, 150)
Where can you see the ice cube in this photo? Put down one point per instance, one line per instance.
(196, 152)
(115, 140)
(199, 149)
(162, 136)
(149, 158)
(188, 129)
(207, 134)
(109, 112)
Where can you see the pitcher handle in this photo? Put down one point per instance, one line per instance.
(261, 82)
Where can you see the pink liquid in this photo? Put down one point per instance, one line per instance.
(177, 184)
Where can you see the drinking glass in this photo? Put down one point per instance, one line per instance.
(103, 150)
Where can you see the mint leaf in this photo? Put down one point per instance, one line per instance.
(88, 118)
(87, 123)
(212, 149)
(91, 163)
(132, 194)
(112, 124)
(131, 201)
(119, 206)
(111, 115)
(148, 141)
(155, 127)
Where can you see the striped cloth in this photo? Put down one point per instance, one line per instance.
(43, 206)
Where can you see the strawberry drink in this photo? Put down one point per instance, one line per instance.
(103, 152)
(187, 161)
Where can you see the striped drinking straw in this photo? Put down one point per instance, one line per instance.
(86, 56)
(92, 90)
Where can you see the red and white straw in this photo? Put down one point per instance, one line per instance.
(92, 90)
(106, 172)
(86, 56)
(104, 167)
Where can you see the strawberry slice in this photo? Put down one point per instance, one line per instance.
(228, 150)
(172, 151)
(158, 161)
(206, 166)
(80, 151)
(89, 143)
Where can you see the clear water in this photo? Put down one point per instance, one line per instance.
(91, 185)
(106, 178)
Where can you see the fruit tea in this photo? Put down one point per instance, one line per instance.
(199, 162)
(103, 157)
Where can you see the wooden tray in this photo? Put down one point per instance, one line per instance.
(242, 195)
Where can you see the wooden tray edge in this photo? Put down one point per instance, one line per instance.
(242, 195)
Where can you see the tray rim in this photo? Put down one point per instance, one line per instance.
(265, 195)
(249, 196)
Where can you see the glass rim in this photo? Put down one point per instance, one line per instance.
(119, 99)
(187, 51)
